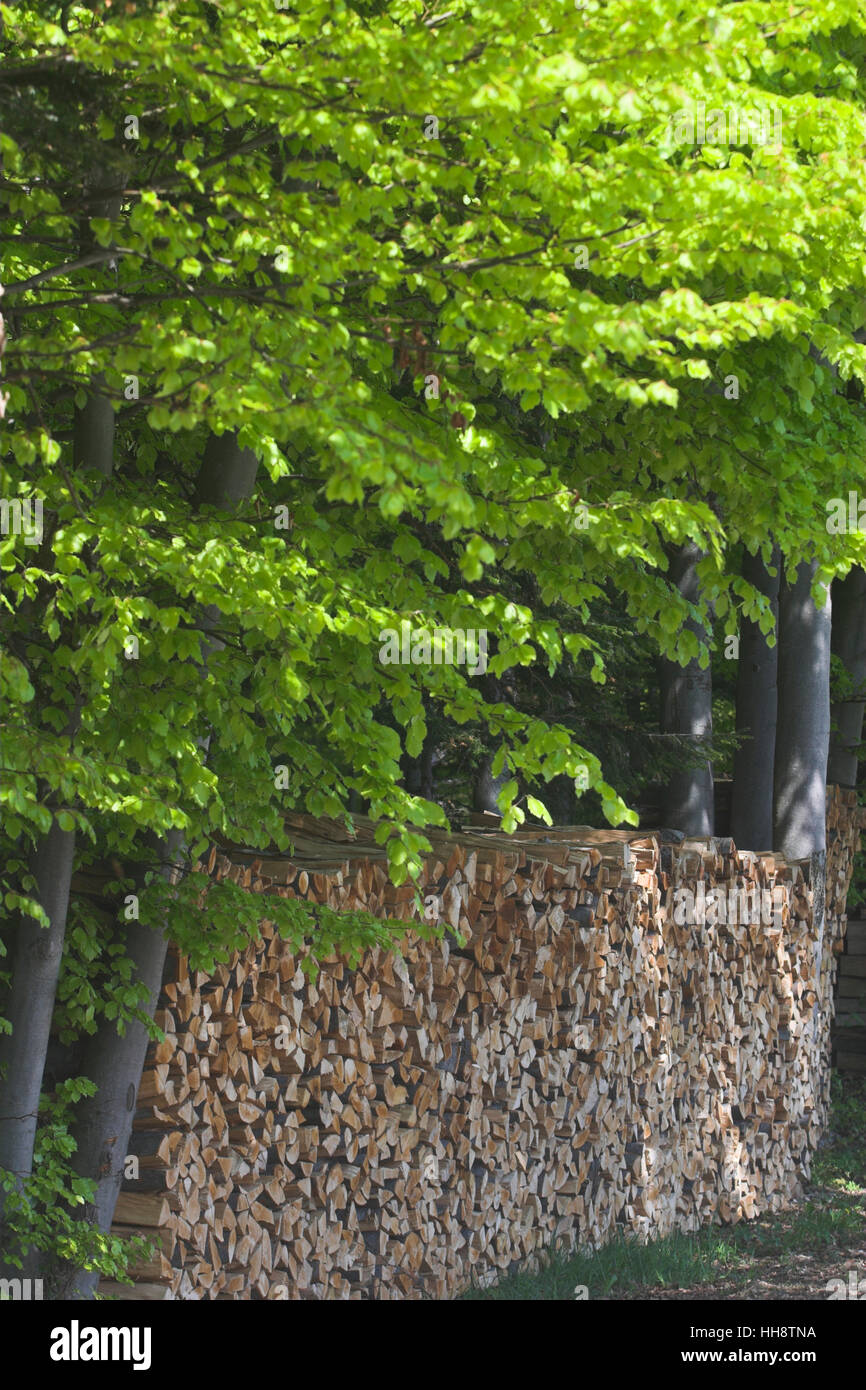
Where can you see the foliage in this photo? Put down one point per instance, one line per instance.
(42, 1212)
(450, 276)
(211, 920)
(96, 975)
(278, 244)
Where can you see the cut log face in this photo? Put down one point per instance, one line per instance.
(590, 1058)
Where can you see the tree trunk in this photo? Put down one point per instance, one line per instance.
(752, 798)
(93, 425)
(687, 710)
(29, 1004)
(848, 643)
(38, 952)
(3, 397)
(227, 474)
(418, 772)
(104, 1121)
(93, 444)
(803, 729)
(487, 787)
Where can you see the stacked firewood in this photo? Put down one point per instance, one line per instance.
(584, 1061)
(849, 1034)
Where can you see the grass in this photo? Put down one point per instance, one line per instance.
(621, 1264)
(831, 1217)
(842, 1160)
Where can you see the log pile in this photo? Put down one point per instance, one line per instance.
(849, 1027)
(582, 1063)
(849, 1033)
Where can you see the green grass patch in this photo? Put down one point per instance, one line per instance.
(840, 1163)
(674, 1261)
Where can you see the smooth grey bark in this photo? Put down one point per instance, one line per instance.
(227, 474)
(38, 951)
(93, 433)
(418, 771)
(757, 677)
(686, 709)
(487, 787)
(848, 643)
(93, 425)
(104, 1121)
(3, 397)
(803, 729)
(29, 1005)
(840, 756)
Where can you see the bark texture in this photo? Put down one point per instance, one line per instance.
(803, 729)
(104, 1121)
(29, 1005)
(757, 693)
(848, 643)
(687, 710)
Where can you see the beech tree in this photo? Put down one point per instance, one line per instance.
(757, 694)
(369, 249)
(848, 644)
(687, 710)
(803, 725)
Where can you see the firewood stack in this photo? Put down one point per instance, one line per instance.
(428, 1120)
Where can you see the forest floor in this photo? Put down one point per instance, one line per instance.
(788, 1255)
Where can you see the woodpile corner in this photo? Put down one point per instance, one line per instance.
(583, 1064)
